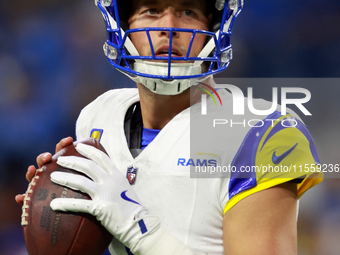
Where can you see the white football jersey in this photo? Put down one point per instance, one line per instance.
(192, 209)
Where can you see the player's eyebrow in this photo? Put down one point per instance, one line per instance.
(184, 4)
(137, 5)
(198, 5)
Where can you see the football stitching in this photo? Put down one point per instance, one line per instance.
(27, 197)
(77, 235)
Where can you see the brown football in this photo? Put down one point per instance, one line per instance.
(60, 233)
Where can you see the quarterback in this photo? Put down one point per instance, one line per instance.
(143, 192)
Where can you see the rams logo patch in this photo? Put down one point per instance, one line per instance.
(96, 133)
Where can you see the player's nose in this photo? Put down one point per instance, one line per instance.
(169, 19)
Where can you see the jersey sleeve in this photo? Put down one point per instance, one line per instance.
(88, 116)
(278, 150)
(84, 128)
(96, 114)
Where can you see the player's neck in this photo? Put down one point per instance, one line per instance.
(158, 110)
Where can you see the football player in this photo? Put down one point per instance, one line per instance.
(142, 193)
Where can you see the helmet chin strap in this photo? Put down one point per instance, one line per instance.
(167, 87)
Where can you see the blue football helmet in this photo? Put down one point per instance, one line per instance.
(164, 74)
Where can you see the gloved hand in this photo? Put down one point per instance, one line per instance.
(114, 203)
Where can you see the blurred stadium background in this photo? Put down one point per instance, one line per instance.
(52, 65)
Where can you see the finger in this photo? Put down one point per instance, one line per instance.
(74, 181)
(99, 157)
(83, 165)
(71, 204)
(43, 159)
(30, 173)
(20, 198)
(63, 143)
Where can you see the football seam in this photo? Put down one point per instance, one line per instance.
(27, 197)
(77, 234)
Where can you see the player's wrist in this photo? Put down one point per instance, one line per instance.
(140, 229)
(128, 231)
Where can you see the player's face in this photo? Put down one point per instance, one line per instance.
(168, 13)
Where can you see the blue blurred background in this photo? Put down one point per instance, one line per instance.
(52, 65)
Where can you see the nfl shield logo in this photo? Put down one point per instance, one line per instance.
(131, 174)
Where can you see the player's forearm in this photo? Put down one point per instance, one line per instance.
(263, 245)
(263, 223)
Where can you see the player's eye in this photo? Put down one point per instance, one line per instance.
(151, 11)
(188, 13)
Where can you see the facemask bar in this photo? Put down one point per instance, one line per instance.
(114, 30)
(223, 34)
(117, 59)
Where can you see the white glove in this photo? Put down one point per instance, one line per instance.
(114, 203)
